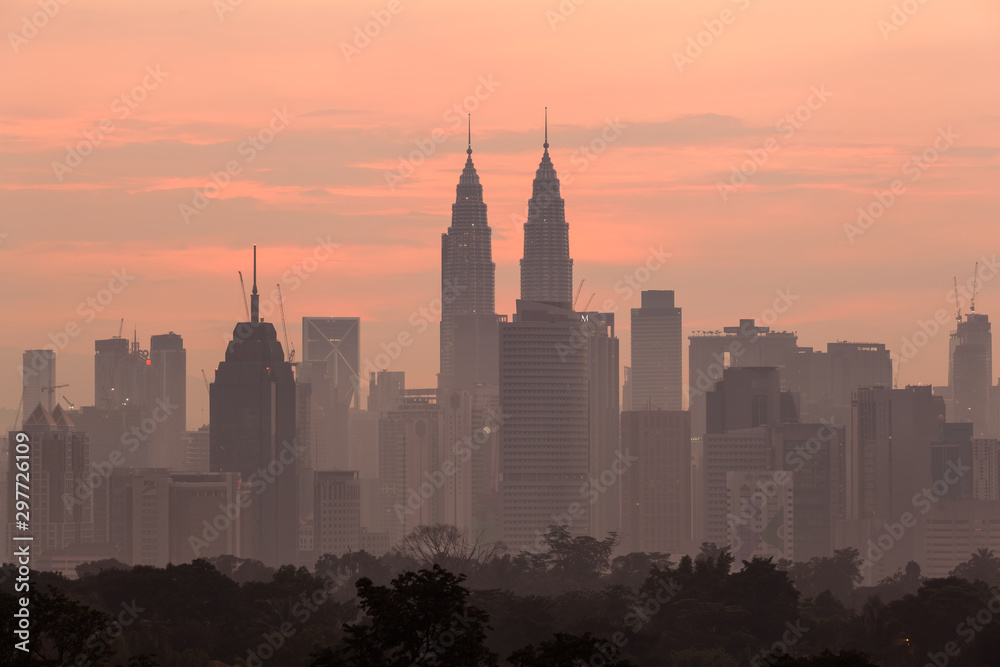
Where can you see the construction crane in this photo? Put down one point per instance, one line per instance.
(958, 305)
(121, 326)
(243, 287)
(975, 285)
(69, 402)
(207, 387)
(284, 329)
(578, 290)
(586, 305)
(54, 387)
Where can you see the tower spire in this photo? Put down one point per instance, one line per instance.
(469, 151)
(546, 144)
(254, 297)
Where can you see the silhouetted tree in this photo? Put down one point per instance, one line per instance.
(424, 618)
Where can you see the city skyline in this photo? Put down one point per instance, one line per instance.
(860, 135)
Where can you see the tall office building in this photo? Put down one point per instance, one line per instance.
(889, 460)
(109, 359)
(468, 311)
(656, 352)
(971, 367)
(604, 414)
(335, 341)
(38, 381)
(546, 268)
(385, 391)
(656, 490)
(252, 432)
(167, 380)
(545, 439)
(408, 457)
(748, 344)
(61, 515)
(337, 519)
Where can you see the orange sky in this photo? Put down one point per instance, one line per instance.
(356, 110)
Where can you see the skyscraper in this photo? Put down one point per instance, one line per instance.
(656, 493)
(656, 352)
(252, 432)
(468, 310)
(167, 379)
(109, 356)
(337, 342)
(545, 437)
(971, 364)
(330, 365)
(38, 381)
(546, 268)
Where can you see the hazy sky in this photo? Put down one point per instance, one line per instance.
(652, 105)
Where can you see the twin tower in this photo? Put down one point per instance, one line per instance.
(468, 274)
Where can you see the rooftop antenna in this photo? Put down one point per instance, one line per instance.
(975, 284)
(254, 298)
(470, 135)
(546, 144)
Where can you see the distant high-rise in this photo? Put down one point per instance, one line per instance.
(748, 344)
(109, 359)
(971, 364)
(546, 268)
(337, 522)
(60, 464)
(408, 448)
(331, 354)
(38, 381)
(656, 491)
(468, 311)
(545, 438)
(337, 342)
(252, 432)
(656, 352)
(167, 380)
